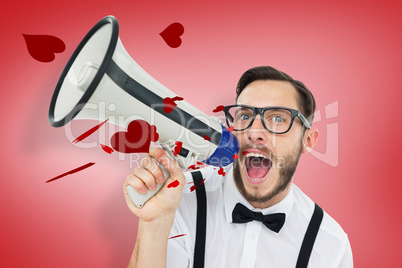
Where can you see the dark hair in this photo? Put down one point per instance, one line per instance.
(306, 98)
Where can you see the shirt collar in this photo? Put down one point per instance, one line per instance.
(232, 196)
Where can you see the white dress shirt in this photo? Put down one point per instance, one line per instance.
(252, 244)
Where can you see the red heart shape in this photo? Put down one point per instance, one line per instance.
(219, 109)
(231, 129)
(170, 103)
(177, 149)
(172, 34)
(221, 172)
(43, 47)
(173, 184)
(137, 138)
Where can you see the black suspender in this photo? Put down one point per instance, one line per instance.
(309, 237)
(201, 227)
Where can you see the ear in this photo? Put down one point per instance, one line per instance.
(309, 140)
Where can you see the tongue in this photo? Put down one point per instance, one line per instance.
(258, 168)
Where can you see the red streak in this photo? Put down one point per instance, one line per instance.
(72, 171)
(192, 188)
(176, 236)
(177, 98)
(106, 148)
(89, 132)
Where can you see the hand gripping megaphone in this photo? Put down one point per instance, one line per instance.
(101, 70)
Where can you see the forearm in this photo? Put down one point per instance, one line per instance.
(151, 245)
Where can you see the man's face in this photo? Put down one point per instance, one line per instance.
(261, 180)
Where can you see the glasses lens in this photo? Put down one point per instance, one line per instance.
(277, 120)
(241, 117)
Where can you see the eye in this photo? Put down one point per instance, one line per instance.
(278, 119)
(245, 117)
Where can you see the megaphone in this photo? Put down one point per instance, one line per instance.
(101, 70)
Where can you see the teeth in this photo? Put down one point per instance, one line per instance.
(253, 179)
(256, 155)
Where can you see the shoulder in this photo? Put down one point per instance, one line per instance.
(212, 182)
(332, 241)
(211, 179)
(186, 214)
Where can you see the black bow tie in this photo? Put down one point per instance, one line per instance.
(274, 222)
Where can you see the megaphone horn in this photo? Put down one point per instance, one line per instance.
(101, 70)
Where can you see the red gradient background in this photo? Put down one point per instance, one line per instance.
(345, 51)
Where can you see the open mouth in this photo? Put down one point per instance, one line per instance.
(257, 166)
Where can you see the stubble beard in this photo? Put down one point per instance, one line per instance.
(285, 178)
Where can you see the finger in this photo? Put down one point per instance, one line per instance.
(156, 153)
(171, 165)
(151, 166)
(136, 183)
(146, 177)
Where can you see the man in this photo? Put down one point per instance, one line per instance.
(272, 121)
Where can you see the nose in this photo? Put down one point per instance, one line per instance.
(257, 133)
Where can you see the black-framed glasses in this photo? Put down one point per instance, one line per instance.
(275, 119)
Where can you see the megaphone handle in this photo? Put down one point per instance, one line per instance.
(140, 199)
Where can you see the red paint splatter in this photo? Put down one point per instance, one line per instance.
(194, 167)
(154, 134)
(72, 171)
(221, 172)
(172, 34)
(89, 132)
(207, 138)
(106, 148)
(177, 148)
(43, 47)
(136, 139)
(231, 129)
(218, 109)
(190, 182)
(170, 103)
(245, 152)
(176, 236)
(235, 156)
(192, 188)
(173, 184)
(177, 98)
